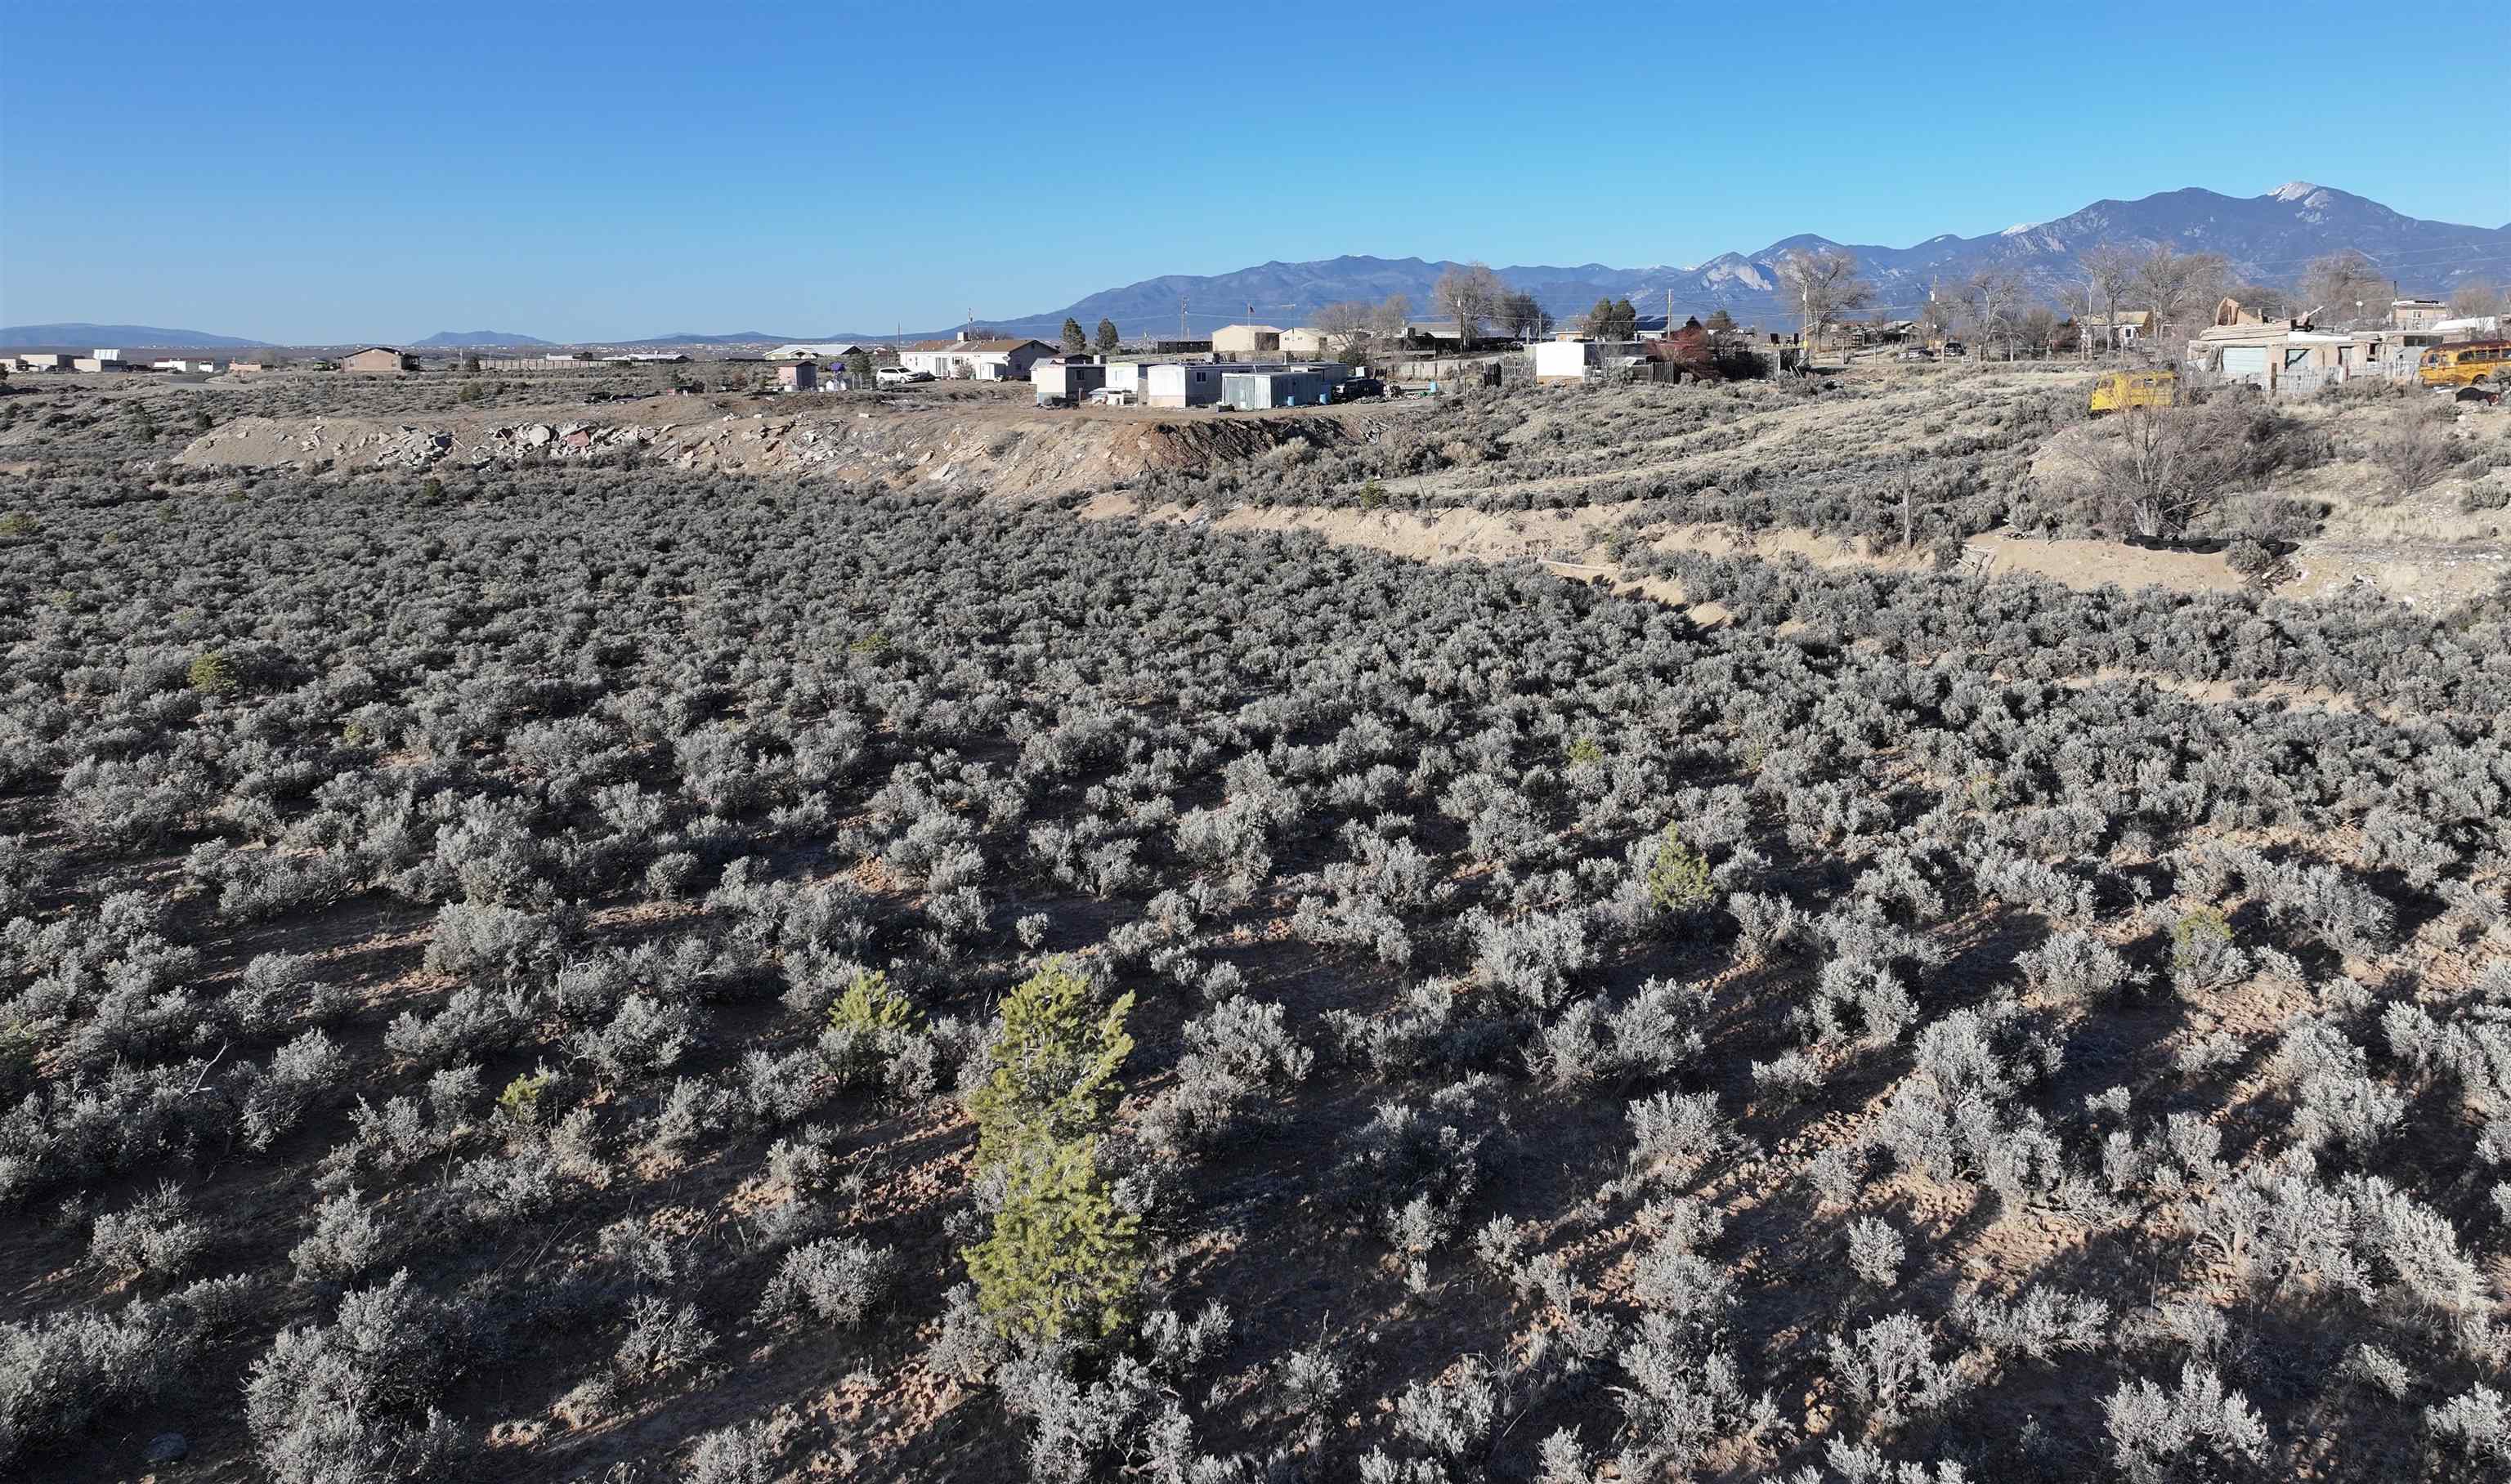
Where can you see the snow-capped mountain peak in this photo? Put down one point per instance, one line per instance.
(2296, 190)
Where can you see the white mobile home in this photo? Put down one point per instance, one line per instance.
(1175, 385)
(1067, 381)
(963, 359)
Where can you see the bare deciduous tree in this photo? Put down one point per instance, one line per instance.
(2346, 288)
(2153, 470)
(1388, 319)
(2109, 272)
(1991, 296)
(1523, 316)
(2174, 282)
(1471, 292)
(1826, 287)
(2077, 300)
(1345, 326)
(2475, 298)
(2037, 328)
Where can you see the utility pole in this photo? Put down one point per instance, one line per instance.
(1181, 319)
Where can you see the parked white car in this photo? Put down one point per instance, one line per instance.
(897, 376)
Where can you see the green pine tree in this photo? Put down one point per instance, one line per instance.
(1679, 879)
(1064, 1261)
(1075, 342)
(1108, 339)
(1055, 1066)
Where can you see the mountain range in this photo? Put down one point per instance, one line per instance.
(2267, 238)
(82, 336)
(447, 339)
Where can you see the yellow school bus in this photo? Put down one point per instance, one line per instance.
(2460, 365)
(2121, 390)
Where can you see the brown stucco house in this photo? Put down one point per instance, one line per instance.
(379, 361)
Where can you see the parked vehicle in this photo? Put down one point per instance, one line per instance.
(1916, 355)
(897, 376)
(2121, 390)
(2458, 365)
(1355, 388)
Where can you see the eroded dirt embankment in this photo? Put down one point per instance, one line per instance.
(1013, 452)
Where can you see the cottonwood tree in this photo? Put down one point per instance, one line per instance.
(1388, 321)
(2476, 296)
(1345, 326)
(2348, 288)
(1471, 292)
(1523, 316)
(1108, 339)
(2173, 283)
(2037, 328)
(1991, 295)
(1826, 287)
(2109, 274)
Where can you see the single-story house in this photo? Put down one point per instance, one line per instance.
(213, 367)
(1067, 381)
(2268, 355)
(830, 350)
(1305, 343)
(2130, 326)
(44, 361)
(101, 364)
(2468, 327)
(379, 361)
(963, 357)
(1236, 340)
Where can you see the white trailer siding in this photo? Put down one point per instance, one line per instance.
(1183, 385)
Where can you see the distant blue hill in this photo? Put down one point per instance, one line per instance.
(445, 339)
(728, 338)
(79, 334)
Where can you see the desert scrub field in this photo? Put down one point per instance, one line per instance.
(1893, 462)
(607, 974)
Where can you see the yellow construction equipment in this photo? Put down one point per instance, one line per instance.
(2121, 390)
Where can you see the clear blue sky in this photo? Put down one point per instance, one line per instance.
(318, 173)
